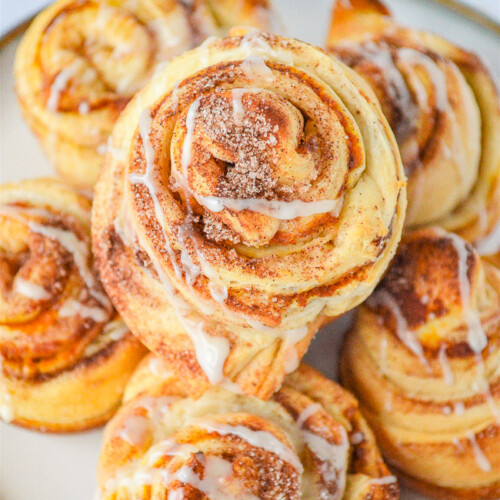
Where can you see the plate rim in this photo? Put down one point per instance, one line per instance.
(471, 13)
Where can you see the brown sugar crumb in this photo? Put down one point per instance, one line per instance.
(217, 231)
(244, 138)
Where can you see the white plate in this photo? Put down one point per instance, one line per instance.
(35, 466)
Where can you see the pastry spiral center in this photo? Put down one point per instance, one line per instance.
(50, 299)
(238, 138)
(241, 148)
(94, 53)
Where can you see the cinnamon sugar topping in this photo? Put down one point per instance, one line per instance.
(247, 138)
(216, 231)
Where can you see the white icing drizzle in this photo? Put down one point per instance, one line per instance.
(157, 367)
(481, 460)
(187, 145)
(490, 244)
(357, 438)
(168, 447)
(216, 474)
(218, 292)
(6, 412)
(84, 108)
(60, 84)
(397, 88)
(282, 210)
(211, 352)
(30, 289)
(307, 412)
(459, 408)
(384, 298)
(238, 108)
(204, 50)
(416, 58)
(438, 79)
(383, 480)
(256, 69)
(259, 439)
(445, 366)
(476, 336)
(134, 430)
(117, 153)
(290, 339)
(191, 270)
(80, 252)
(74, 308)
(334, 459)
(254, 43)
(146, 180)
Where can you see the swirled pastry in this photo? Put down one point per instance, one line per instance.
(443, 107)
(255, 192)
(81, 61)
(309, 441)
(65, 354)
(424, 361)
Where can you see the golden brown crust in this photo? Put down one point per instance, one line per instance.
(444, 109)
(81, 397)
(423, 360)
(80, 63)
(59, 335)
(309, 441)
(229, 228)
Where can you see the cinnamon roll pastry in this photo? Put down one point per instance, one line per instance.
(424, 361)
(443, 107)
(65, 354)
(309, 441)
(255, 191)
(81, 61)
